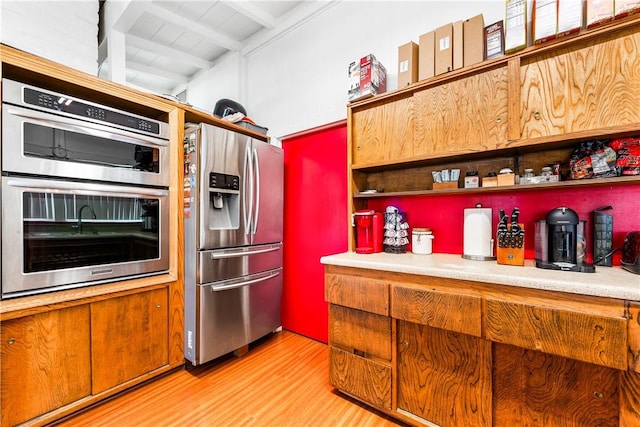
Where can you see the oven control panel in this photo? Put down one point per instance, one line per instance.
(79, 108)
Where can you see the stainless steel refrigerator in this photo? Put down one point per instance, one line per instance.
(233, 241)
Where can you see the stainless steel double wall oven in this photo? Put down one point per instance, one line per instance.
(84, 192)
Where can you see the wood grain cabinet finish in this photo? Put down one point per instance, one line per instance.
(130, 337)
(45, 362)
(593, 338)
(383, 134)
(583, 87)
(452, 311)
(443, 377)
(363, 378)
(358, 331)
(359, 292)
(466, 115)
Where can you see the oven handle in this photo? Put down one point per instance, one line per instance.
(98, 130)
(243, 253)
(84, 187)
(217, 288)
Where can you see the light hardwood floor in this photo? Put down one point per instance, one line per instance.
(281, 381)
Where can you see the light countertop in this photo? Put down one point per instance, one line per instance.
(613, 282)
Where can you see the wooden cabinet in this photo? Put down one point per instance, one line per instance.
(129, 337)
(360, 334)
(592, 85)
(444, 377)
(384, 133)
(46, 362)
(462, 116)
(455, 352)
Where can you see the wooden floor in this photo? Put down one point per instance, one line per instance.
(281, 381)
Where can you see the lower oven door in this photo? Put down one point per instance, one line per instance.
(61, 234)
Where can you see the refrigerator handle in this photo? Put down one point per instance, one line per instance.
(216, 288)
(224, 255)
(257, 191)
(247, 185)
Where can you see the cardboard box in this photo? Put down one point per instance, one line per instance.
(407, 64)
(444, 49)
(494, 40)
(490, 181)
(458, 45)
(506, 179)
(473, 40)
(515, 26)
(626, 7)
(545, 20)
(367, 78)
(427, 55)
(570, 17)
(445, 185)
(598, 12)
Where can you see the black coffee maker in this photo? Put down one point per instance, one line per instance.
(560, 242)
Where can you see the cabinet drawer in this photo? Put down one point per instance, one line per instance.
(597, 339)
(361, 331)
(445, 310)
(357, 292)
(363, 378)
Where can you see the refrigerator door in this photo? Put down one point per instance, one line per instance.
(235, 312)
(268, 194)
(222, 264)
(224, 171)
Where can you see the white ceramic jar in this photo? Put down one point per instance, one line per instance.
(421, 241)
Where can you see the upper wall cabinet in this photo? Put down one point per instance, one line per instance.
(591, 85)
(466, 115)
(383, 134)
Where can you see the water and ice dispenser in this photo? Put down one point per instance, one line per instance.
(224, 201)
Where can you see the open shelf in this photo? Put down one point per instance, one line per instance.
(595, 182)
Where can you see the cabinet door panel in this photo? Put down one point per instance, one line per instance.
(383, 134)
(467, 115)
(363, 378)
(45, 363)
(359, 330)
(591, 338)
(130, 337)
(589, 86)
(533, 388)
(444, 377)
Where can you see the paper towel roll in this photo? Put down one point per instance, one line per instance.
(478, 235)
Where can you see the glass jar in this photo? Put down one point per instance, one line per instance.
(528, 173)
(421, 241)
(546, 173)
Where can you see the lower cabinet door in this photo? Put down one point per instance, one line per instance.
(443, 377)
(130, 337)
(45, 363)
(363, 378)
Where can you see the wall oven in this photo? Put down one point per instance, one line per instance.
(84, 192)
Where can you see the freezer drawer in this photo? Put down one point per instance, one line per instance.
(235, 312)
(222, 264)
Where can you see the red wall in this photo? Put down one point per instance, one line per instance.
(315, 223)
(315, 208)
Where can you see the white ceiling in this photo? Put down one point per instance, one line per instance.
(166, 43)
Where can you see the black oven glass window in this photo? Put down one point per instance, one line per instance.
(58, 144)
(69, 230)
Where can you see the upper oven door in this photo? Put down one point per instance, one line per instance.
(45, 144)
(63, 234)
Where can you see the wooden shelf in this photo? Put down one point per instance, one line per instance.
(596, 182)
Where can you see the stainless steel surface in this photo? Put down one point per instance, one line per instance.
(233, 243)
(15, 282)
(236, 312)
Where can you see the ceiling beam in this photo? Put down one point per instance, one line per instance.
(190, 25)
(168, 52)
(253, 12)
(178, 78)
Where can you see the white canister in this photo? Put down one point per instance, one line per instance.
(421, 241)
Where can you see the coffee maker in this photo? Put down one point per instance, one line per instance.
(369, 225)
(560, 242)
